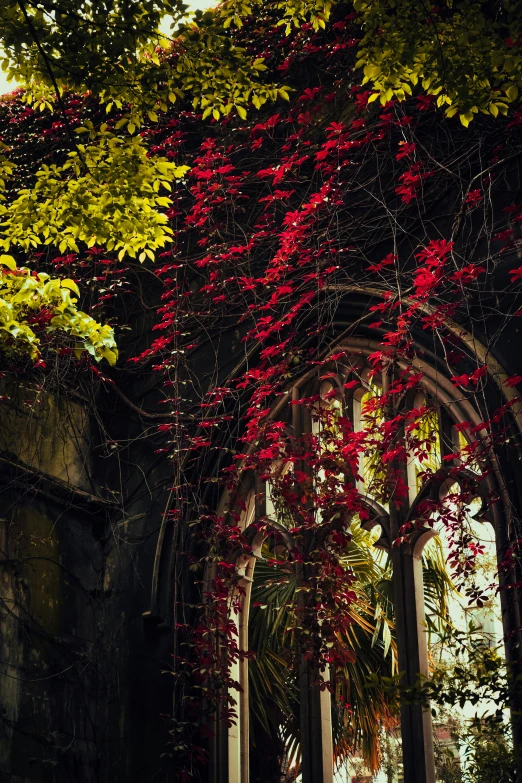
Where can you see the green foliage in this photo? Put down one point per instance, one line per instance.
(114, 50)
(293, 13)
(24, 294)
(217, 74)
(6, 169)
(106, 193)
(471, 676)
(471, 673)
(447, 765)
(489, 753)
(106, 47)
(463, 52)
(478, 751)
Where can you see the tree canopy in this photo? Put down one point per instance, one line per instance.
(464, 54)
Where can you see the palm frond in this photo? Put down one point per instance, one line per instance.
(274, 691)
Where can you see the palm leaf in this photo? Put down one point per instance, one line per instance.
(274, 692)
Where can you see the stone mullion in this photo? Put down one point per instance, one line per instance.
(416, 724)
(315, 704)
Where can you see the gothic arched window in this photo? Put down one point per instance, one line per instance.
(442, 478)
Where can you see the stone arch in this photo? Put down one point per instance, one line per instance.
(407, 569)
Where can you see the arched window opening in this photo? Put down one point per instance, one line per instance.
(467, 653)
(368, 417)
(423, 440)
(403, 598)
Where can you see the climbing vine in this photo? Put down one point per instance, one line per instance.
(319, 219)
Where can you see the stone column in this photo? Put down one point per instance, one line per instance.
(316, 726)
(315, 705)
(416, 725)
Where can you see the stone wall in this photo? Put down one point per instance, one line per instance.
(82, 691)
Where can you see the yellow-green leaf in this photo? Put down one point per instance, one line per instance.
(71, 285)
(8, 261)
(466, 118)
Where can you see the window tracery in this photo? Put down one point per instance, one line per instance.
(441, 467)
